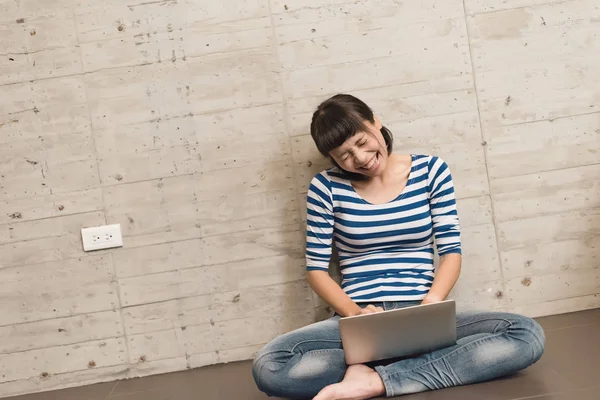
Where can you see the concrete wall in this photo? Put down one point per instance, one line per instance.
(186, 121)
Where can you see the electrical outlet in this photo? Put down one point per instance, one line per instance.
(101, 237)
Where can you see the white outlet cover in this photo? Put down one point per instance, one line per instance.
(101, 237)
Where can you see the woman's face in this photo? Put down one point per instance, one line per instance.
(364, 153)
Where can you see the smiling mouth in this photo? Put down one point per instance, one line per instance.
(372, 164)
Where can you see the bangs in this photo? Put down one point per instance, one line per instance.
(332, 126)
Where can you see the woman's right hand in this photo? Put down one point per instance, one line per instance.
(370, 309)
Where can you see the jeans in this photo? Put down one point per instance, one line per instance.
(489, 345)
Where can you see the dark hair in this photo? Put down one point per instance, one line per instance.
(339, 118)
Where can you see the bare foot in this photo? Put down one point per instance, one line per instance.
(360, 383)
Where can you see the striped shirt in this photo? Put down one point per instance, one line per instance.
(385, 250)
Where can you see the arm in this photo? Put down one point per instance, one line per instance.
(445, 278)
(319, 242)
(332, 294)
(446, 230)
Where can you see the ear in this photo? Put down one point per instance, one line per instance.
(377, 123)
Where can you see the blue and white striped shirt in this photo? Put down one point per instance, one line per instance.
(385, 250)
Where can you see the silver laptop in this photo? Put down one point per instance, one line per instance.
(398, 333)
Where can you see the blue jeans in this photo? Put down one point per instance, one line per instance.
(489, 345)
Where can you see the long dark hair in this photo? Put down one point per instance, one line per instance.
(339, 118)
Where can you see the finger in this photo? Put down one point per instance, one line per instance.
(371, 309)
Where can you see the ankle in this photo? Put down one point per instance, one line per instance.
(376, 382)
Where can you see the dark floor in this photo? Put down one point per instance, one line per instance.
(569, 370)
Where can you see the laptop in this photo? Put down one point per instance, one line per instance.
(403, 332)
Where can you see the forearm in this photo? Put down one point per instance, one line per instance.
(332, 293)
(445, 278)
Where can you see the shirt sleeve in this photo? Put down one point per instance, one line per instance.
(442, 201)
(319, 224)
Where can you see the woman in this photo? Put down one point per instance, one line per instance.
(384, 211)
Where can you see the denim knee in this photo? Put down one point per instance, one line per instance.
(267, 370)
(532, 333)
(538, 333)
(257, 371)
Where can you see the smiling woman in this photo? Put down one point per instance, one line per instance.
(345, 129)
(386, 213)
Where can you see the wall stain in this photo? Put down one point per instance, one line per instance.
(526, 282)
(447, 28)
(159, 2)
(505, 24)
(12, 121)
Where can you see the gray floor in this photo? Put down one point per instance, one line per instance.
(569, 370)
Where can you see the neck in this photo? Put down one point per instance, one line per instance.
(396, 164)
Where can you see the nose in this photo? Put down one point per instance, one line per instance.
(360, 158)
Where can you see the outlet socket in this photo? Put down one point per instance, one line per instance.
(101, 237)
